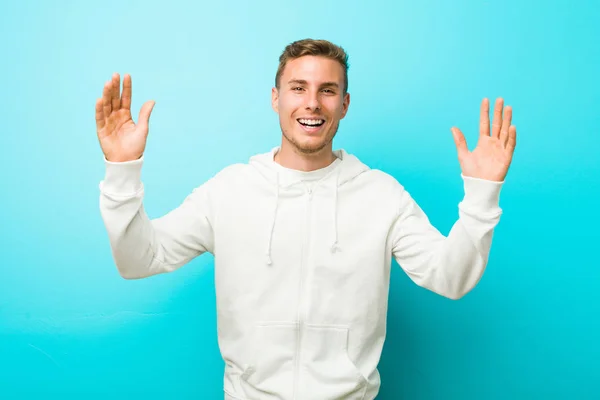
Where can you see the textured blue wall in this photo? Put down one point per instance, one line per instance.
(71, 328)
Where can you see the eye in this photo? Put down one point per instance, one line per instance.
(296, 88)
(328, 91)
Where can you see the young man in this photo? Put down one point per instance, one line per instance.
(303, 236)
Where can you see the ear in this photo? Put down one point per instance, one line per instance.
(345, 104)
(275, 99)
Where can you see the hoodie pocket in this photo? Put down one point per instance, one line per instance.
(328, 372)
(269, 366)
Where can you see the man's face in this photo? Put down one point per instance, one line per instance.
(310, 102)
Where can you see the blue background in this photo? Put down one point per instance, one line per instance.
(71, 328)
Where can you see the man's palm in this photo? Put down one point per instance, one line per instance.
(493, 155)
(120, 138)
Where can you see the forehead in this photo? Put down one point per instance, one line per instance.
(313, 69)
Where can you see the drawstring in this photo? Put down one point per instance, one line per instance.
(269, 261)
(334, 246)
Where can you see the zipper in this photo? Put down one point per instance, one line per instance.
(300, 316)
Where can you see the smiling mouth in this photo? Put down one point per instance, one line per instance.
(311, 122)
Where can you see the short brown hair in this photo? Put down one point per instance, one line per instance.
(313, 47)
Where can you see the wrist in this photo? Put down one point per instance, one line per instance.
(122, 177)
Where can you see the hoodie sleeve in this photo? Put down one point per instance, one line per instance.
(448, 265)
(142, 247)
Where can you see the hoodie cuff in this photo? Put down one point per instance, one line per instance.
(123, 178)
(481, 195)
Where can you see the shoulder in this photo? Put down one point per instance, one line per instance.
(358, 172)
(381, 181)
(226, 178)
(232, 171)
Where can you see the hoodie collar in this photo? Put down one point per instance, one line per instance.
(288, 176)
(347, 166)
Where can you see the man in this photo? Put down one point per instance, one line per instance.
(303, 236)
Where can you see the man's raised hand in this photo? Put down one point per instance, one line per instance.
(493, 155)
(120, 138)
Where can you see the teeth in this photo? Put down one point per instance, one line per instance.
(311, 121)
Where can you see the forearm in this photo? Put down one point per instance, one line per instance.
(142, 247)
(451, 265)
(128, 227)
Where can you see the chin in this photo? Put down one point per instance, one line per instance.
(308, 142)
(312, 145)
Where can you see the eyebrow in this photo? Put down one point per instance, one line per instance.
(303, 82)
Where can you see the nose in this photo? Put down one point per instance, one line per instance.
(312, 102)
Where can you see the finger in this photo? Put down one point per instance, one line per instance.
(126, 97)
(512, 138)
(497, 121)
(106, 98)
(460, 142)
(116, 95)
(484, 118)
(505, 125)
(100, 121)
(144, 117)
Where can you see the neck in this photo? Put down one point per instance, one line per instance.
(289, 157)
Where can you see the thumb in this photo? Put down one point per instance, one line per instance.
(460, 142)
(145, 112)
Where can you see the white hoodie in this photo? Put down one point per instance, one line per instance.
(302, 264)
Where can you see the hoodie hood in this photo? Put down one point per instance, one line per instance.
(345, 168)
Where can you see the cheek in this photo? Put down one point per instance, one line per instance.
(286, 115)
(334, 106)
(293, 100)
(333, 114)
